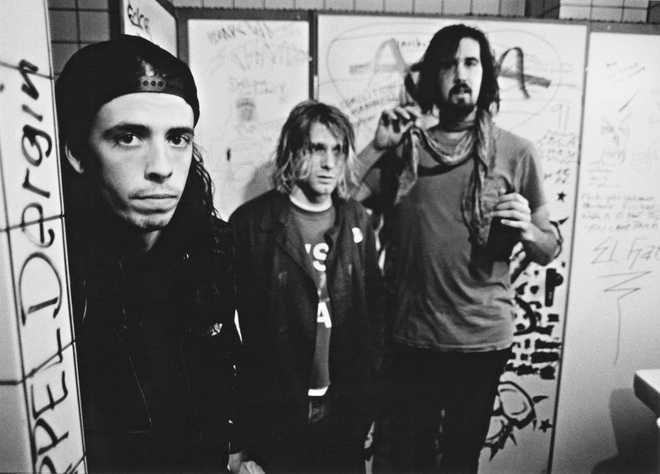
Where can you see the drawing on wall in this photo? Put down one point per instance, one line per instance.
(616, 264)
(362, 63)
(364, 81)
(622, 222)
(250, 74)
(622, 285)
(514, 410)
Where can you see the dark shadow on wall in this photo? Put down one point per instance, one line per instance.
(635, 434)
(261, 181)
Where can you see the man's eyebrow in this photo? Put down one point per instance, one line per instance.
(143, 130)
(126, 127)
(181, 131)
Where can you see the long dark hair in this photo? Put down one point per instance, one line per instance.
(444, 45)
(197, 199)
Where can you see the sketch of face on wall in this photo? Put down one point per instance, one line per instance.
(246, 110)
(250, 74)
(244, 176)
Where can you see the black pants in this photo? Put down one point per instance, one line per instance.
(332, 444)
(423, 383)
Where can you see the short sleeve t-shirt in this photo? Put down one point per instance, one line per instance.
(312, 227)
(449, 294)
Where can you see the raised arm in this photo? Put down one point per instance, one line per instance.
(392, 125)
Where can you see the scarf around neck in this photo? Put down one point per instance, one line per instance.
(478, 199)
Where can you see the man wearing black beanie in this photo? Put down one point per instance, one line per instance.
(150, 263)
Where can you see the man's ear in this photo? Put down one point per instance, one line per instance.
(74, 161)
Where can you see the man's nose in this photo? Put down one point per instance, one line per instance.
(460, 73)
(158, 165)
(329, 160)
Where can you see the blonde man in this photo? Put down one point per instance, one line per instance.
(308, 292)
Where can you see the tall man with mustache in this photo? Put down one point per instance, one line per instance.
(150, 263)
(456, 196)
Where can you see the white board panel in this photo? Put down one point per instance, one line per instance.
(24, 23)
(361, 63)
(149, 19)
(250, 74)
(613, 326)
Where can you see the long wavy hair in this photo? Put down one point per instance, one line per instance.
(292, 155)
(443, 45)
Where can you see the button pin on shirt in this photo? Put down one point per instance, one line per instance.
(357, 235)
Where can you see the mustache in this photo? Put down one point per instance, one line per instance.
(460, 87)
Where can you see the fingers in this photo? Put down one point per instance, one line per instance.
(512, 201)
(251, 467)
(402, 128)
(512, 198)
(407, 112)
(513, 210)
(388, 116)
(393, 123)
(515, 223)
(398, 118)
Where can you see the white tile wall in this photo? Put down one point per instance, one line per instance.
(574, 12)
(369, 5)
(606, 13)
(338, 4)
(23, 23)
(456, 7)
(428, 6)
(15, 445)
(485, 7)
(398, 6)
(279, 3)
(10, 367)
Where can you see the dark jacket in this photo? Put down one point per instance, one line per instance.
(277, 303)
(156, 346)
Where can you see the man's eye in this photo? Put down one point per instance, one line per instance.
(317, 148)
(180, 140)
(126, 139)
(338, 150)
